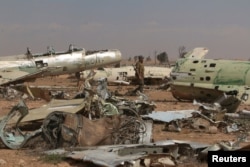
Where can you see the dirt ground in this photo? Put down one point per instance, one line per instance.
(164, 102)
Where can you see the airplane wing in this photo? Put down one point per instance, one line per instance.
(14, 76)
(17, 75)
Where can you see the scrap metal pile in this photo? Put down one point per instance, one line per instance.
(97, 119)
(218, 116)
(106, 130)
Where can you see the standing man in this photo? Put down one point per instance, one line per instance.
(139, 74)
(71, 48)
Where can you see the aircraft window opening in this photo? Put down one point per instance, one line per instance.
(208, 78)
(212, 65)
(203, 61)
(205, 66)
(201, 78)
(196, 61)
(174, 77)
(216, 87)
(192, 69)
(39, 64)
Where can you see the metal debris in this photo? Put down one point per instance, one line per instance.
(224, 103)
(10, 134)
(162, 153)
(67, 130)
(9, 93)
(168, 116)
(244, 114)
(118, 121)
(232, 128)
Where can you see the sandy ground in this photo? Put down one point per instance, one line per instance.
(164, 102)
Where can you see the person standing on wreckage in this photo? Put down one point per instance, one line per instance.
(139, 74)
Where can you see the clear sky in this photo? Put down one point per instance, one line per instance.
(136, 27)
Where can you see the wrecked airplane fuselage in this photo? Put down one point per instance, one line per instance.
(18, 69)
(126, 75)
(206, 79)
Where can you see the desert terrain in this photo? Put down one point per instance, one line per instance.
(162, 98)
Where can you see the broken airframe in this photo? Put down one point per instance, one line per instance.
(97, 118)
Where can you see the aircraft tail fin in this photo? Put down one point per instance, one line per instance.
(197, 53)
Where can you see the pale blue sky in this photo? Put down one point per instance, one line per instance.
(132, 26)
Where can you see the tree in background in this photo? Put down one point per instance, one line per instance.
(182, 51)
(129, 59)
(163, 58)
(148, 58)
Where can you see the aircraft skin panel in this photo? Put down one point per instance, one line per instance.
(62, 64)
(234, 76)
(69, 106)
(101, 59)
(181, 92)
(201, 78)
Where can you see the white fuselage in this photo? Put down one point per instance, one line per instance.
(61, 63)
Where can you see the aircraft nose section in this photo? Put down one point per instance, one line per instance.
(118, 55)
